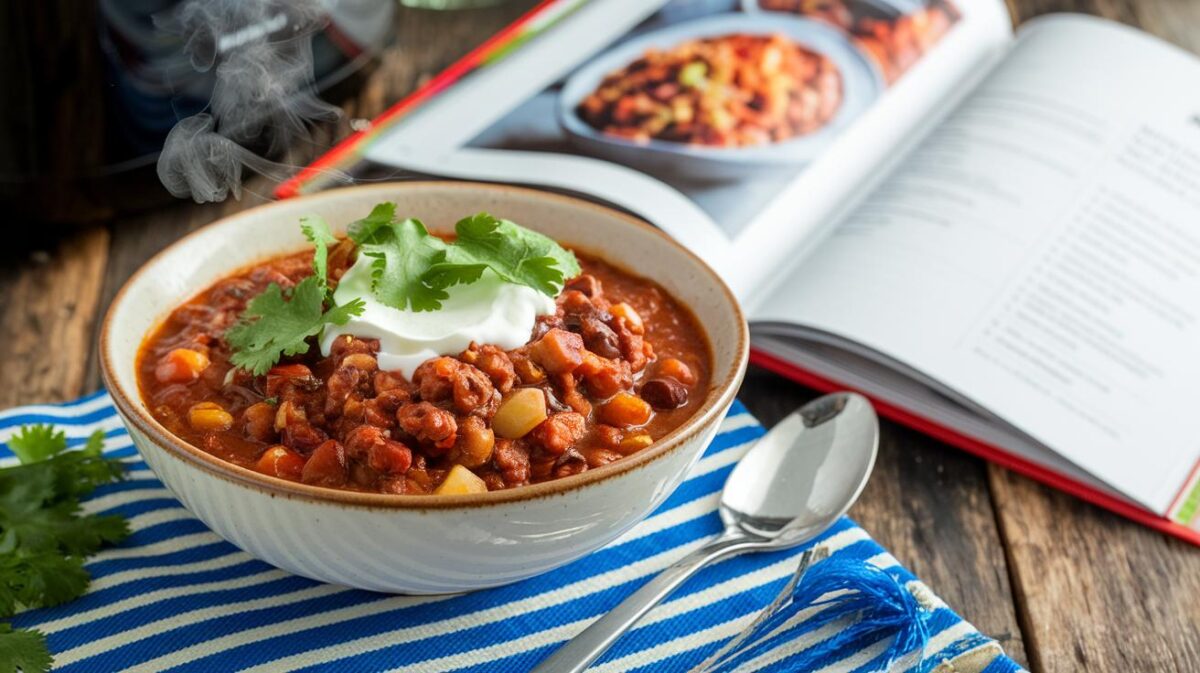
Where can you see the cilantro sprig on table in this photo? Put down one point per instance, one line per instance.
(411, 269)
(44, 534)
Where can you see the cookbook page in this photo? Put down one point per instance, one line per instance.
(1039, 254)
(709, 113)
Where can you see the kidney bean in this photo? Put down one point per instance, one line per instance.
(326, 466)
(664, 393)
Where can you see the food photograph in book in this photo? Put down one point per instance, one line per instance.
(728, 102)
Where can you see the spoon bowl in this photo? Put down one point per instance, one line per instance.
(804, 474)
(791, 486)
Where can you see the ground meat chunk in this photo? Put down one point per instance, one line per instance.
(428, 424)
(359, 441)
(559, 432)
(381, 411)
(348, 345)
(569, 463)
(605, 378)
(511, 459)
(390, 457)
(289, 381)
(473, 392)
(434, 379)
(494, 362)
(351, 379)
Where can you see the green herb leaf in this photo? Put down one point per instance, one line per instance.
(39, 580)
(317, 231)
(44, 535)
(24, 651)
(403, 253)
(365, 230)
(37, 442)
(274, 325)
(516, 254)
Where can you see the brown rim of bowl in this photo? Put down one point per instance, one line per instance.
(720, 395)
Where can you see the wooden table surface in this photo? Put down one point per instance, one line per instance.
(1061, 584)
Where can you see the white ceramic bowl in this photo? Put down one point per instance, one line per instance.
(419, 544)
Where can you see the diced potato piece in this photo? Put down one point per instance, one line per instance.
(625, 410)
(182, 365)
(635, 443)
(209, 417)
(460, 481)
(519, 413)
(632, 320)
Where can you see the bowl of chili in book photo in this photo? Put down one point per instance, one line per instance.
(721, 97)
(423, 387)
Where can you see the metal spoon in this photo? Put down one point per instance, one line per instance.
(792, 485)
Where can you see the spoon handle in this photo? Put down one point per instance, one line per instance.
(579, 652)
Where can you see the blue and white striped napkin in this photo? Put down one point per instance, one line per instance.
(175, 597)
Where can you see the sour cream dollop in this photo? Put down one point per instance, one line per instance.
(488, 311)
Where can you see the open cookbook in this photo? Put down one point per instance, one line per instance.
(992, 235)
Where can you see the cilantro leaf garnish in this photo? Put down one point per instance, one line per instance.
(316, 230)
(413, 268)
(274, 325)
(403, 252)
(278, 322)
(380, 218)
(44, 534)
(516, 254)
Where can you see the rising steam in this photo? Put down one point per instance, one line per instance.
(264, 93)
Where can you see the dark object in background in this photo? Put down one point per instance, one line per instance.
(91, 89)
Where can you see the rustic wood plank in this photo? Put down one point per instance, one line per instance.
(49, 290)
(928, 505)
(1094, 591)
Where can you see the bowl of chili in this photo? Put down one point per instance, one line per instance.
(333, 466)
(697, 99)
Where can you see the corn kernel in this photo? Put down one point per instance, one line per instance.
(635, 443)
(209, 417)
